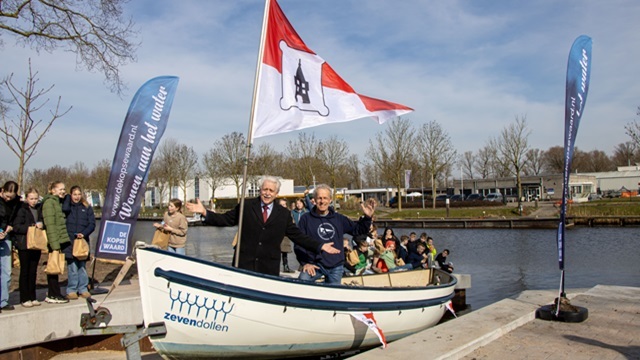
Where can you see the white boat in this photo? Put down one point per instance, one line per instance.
(216, 311)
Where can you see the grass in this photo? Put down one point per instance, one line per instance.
(621, 207)
(489, 212)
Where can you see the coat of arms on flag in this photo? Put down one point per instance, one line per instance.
(297, 89)
(302, 81)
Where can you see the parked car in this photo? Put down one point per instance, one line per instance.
(511, 198)
(442, 197)
(493, 197)
(594, 196)
(475, 197)
(456, 197)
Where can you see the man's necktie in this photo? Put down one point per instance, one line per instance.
(265, 213)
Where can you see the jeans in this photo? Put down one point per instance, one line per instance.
(177, 250)
(78, 279)
(331, 275)
(5, 271)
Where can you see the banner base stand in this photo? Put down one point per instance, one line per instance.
(98, 291)
(568, 313)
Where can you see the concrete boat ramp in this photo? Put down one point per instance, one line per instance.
(504, 330)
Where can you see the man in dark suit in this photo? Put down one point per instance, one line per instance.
(264, 225)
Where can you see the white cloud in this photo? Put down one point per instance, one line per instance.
(472, 66)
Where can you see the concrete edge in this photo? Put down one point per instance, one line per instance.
(459, 337)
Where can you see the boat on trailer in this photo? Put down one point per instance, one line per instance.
(212, 310)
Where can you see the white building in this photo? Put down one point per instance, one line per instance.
(201, 188)
(627, 177)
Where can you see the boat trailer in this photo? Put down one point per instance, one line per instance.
(96, 322)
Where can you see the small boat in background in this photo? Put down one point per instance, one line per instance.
(216, 311)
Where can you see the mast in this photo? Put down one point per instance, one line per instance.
(256, 86)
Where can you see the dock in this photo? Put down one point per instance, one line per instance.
(507, 329)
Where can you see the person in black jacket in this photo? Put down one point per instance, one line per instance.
(260, 240)
(29, 214)
(81, 222)
(9, 203)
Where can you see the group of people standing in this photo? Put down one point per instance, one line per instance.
(65, 218)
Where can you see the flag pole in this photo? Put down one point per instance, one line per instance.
(256, 86)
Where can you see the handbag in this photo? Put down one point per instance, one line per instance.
(80, 249)
(36, 239)
(161, 239)
(55, 263)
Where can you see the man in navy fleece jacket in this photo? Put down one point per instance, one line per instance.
(324, 224)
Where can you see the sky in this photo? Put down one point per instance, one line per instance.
(471, 65)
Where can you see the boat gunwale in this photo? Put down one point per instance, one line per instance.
(289, 280)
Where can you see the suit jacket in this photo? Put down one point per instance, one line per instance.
(260, 242)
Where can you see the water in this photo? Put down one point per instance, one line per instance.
(501, 262)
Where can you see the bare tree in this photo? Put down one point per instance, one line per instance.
(158, 178)
(23, 133)
(213, 169)
(392, 152)
(232, 151)
(436, 153)
(265, 160)
(371, 175)
(334, 157)
(79, 174)
(554, 160)
(512, 145)
(633, 130)
(467, 163)
(100, 177)
(304, 154)
(40, 179)
(167, 160)
(626, 154)
(598, 161)
(353, 172)
(186, 168)
(484, 161)
(534, 164)
(93, 30)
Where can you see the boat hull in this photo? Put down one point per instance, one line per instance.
(214, 311)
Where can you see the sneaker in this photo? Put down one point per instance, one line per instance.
(27, 304)
(35, 303)
(8, 307)
(72, 296)
(85, 295)
(55, 300)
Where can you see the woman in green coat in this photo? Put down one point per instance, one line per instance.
(57, 237)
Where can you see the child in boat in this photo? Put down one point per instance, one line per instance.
(362, 249)
(402, 252)
(441, 259)
(418, 259)
(391, 262)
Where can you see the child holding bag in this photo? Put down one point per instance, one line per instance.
(175, 224)
(81, 222)
(57, 236)
(29, 214)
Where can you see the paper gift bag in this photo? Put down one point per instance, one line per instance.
(36, 238)
(161, 239)
(56, 264)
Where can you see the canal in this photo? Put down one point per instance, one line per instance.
(501, 262)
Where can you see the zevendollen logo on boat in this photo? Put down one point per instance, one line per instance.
(198, 311)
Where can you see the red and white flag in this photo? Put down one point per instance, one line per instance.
(449, 307)
(297, 89)
(370, 321)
